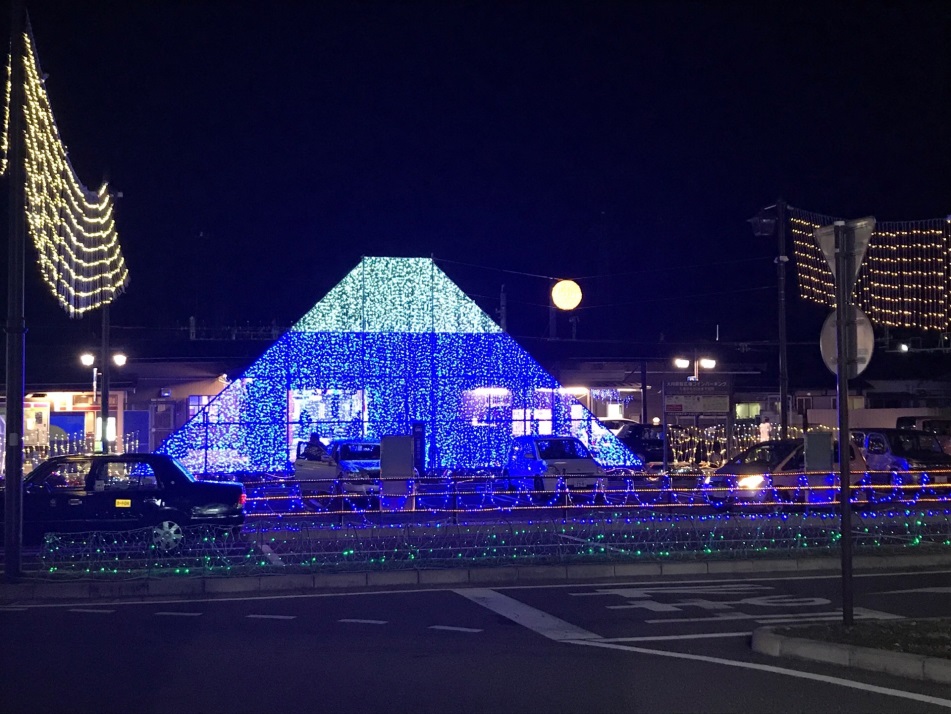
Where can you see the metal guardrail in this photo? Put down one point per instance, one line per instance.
(625, 491)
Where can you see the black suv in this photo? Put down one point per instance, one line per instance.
(90, 492)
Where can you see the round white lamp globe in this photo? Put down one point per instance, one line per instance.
(566, 294)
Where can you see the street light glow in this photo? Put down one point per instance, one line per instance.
(88, 359)
(681, 363)
(119, 359)
(566, 294)
(708, 363)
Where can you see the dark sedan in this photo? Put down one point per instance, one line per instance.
(86, 492)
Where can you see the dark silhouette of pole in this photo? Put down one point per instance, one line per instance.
(16, 321)
(104, 391)
(781, 260)
(845, 329)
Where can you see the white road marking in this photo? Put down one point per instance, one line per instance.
(98, 611)
(915, 590)
(272, 557)
(177, 614)
(454, 629)
(861, 613)
(534, 619)
(364, 622)
(628, 592)
(665, 638)
(826, 679)
(272, 617)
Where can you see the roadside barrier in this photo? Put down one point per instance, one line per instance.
(417, 540)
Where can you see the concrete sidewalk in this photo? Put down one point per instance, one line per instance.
(929, 669)
(33, 589)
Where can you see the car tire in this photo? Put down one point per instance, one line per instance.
(168, 535)
(538, 491)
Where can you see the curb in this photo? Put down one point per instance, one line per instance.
(190, 586)
(911, 666)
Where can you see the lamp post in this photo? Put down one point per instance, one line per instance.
(773, 218)
(697, 363)
(565, 295)
(101, 431)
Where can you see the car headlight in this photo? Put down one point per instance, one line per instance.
(752, 481)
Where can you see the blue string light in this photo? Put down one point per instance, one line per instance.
(395, 342)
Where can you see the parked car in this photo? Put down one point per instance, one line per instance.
(545, 464)
(905, 457)
(938, 426)
(94, 492)
(775, 472)
(347, 468)
(645, 441)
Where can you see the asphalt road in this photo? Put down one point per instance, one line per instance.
(644, 645)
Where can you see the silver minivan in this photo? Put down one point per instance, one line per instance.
(548, 464)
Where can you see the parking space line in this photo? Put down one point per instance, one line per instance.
(272, 557)
(534, 619)
(271, 617)
(454, 629)
(665, 638)
(98, 611)
(824, 678)
(176, 614)
(364, 622)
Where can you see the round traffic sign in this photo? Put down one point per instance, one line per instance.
(864, 343)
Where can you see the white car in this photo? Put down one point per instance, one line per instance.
(346, 467)
(546, 464)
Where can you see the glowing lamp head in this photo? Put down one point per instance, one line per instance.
(681, 363)
(87, 359)
(119, 359)
(708, 363)
(566, 294)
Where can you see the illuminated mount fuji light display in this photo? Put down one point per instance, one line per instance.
(395, 342)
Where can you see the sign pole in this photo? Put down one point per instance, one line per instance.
(845, 258)
(844, 244)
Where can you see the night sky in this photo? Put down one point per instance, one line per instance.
(263, 148)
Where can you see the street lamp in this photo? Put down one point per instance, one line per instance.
(566, 296)
(768, 220)
(698, 364)
(88, 359)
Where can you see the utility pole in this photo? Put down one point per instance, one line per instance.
(781, 260)
(16, 321)
(503, 309)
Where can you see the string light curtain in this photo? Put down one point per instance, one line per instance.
(73, 228)
(903, 280)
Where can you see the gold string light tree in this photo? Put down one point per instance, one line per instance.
(903, 281)
(73, 228)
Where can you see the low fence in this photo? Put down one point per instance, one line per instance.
(290, 546)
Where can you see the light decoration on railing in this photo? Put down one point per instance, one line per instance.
(903, 281)
(395, 342)
(73, 228)
(321, 547)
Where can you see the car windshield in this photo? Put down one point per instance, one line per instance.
(766, 454)
(360, 452)
(913, 443)
(562, 449)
